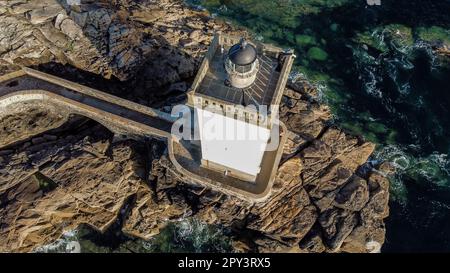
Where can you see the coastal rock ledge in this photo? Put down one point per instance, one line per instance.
(61, 171)
(324, 198)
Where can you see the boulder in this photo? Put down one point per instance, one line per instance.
(353, 196)
(336, 225)
(44, 14)
(71, 29)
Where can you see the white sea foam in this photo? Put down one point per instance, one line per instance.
(371, 80)
(433, 168)
(321, 87)
(198, 235)
(373, 247)
(68, 243)
(434, 60)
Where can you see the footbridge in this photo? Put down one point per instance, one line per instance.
(117, 114)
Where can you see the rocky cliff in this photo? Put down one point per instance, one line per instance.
(326, 197)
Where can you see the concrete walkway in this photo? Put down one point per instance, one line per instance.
(109, 110)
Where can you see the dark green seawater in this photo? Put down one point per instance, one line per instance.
(186, 236)
(376, 68)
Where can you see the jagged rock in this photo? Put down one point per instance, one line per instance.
(288, 175)
(330, 161)
(305, 119)
(101, 38)
(148, 16)
(178, 87)
(50, 137)
(31, 217)
(71, 29)
(58, 20)
(289, 220)
(187, 42)
(337, 224)
(293, 143)
(23, 121)
(307, 190)
(377, 207)
(195, 35)
(312, 242)
(443, 51)
(168, 66)
(57, 38)
(38, 140)
(6, 68)
(353, 195)
(80, 18)
(369, 235)
(365, 238)
(18, 45)
(240, 247)
(148, 216)
(100, 19)
(305, 88)
(268, 245)
(39, 15)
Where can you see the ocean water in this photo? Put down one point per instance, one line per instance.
(184, 236)
(376, 68)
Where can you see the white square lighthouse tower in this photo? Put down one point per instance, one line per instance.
(236, 97)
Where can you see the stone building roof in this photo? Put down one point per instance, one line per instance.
(242, 53)
(271, 77)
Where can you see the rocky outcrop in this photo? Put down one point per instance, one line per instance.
(79, 178)
(325, 198)
(27, 120)
(443, 51)
(319, 202)
(119, 38)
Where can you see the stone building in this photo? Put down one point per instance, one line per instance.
(236, 97)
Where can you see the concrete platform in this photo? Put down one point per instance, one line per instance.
(187, 160)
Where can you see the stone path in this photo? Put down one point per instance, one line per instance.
(111, 111)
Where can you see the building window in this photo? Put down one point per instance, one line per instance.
(243, 68)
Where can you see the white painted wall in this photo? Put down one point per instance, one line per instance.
(231, 143)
